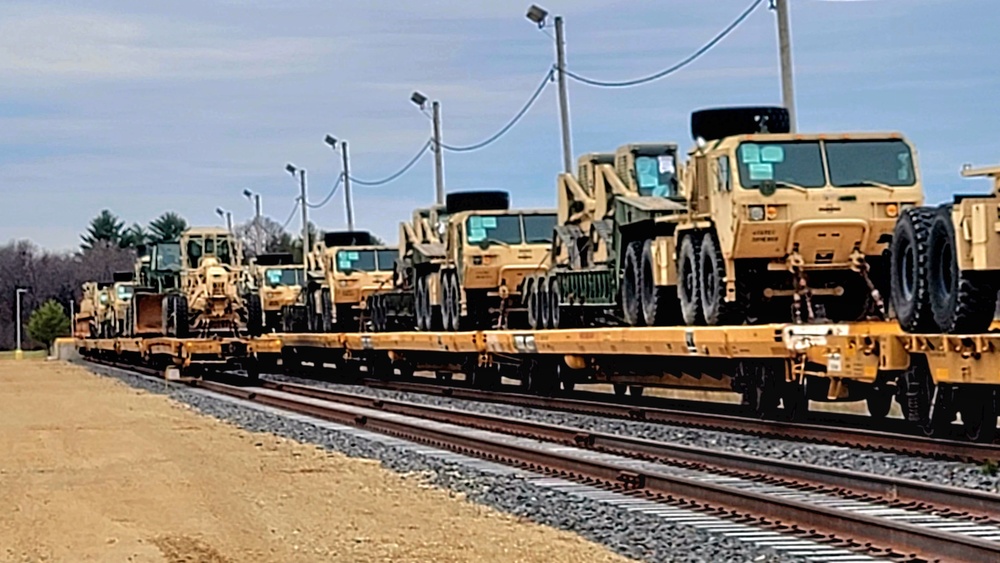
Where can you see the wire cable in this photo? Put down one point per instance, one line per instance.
(510, 124)
(340, 178)
(398, 173)
(291, 215)
(683, 63)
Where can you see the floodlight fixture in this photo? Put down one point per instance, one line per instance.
(418, 99)
(537, 15)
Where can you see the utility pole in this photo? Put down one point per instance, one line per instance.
(305, 220)
(438, 153)
(563, 96)
(347, 186)
(18, 353)
(72, 318)
(785, 54)
(258, 237)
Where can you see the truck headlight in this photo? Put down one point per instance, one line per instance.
(755, 212)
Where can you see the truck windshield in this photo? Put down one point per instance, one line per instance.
(655, 175)
(387, 259)
(538, 228)
(124, 292)
(356, 260)
(195, 249)
(859, 163)
(493, 229)
(168, 256)
(796, 163)
(283, 276)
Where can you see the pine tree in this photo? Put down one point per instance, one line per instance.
(104, 230)
(167, 227)
(48, 322)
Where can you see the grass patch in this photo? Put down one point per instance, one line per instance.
(28, 355)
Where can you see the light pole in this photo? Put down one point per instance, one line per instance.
(291, 169)
(330, 140)
(421, 101)
(18, 353)
(785, 55)
(258, 239)
(538, 15)
(228, 216)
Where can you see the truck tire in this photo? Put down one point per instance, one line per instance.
(962, 302)
(484, 200)
(688, 292)
(712, 286)
(326, 310)
(255, 315)
(717, 123)
(542, 289)
(169, 319)
(631, 290)
(421, 303)
(181, 316)
(908, 270)
(555, 302)
(531, 301)
(659, 303)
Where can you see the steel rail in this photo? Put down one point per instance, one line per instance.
(875, 440)
(840, 481)
(901, 537)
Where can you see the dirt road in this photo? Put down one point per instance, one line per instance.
(93, 470)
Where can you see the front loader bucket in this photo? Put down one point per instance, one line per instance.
(148, 310)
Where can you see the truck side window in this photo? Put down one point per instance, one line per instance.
(723, 177)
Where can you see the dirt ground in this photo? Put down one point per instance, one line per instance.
(93, 470)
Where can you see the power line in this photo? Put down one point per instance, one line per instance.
(406, 167)
(295, 208)
(510, 124)
(340, 178)
(683, 63)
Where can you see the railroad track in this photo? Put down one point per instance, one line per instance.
(839, 435)
(870, 514)
(816, 510)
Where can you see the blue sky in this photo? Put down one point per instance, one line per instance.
(144, 107)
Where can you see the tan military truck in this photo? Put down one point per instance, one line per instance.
(946, 262)
(118, 297)
(471, 274)
(757, 225)
(611, 201)
(86, 322)
(208, 298)
(353, 268)
(275, 282)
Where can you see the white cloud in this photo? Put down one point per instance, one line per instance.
(64, 44)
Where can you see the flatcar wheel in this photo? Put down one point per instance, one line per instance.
(979, 413)
(879, 402)
(635, 391)
(761, 394)
(620, 389)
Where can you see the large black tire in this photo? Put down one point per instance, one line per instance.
(452, 302)
(446, 300)
(181, 316)
(962, 302)
(255, 314)
(421, 303)
(542, 289)
(487, 200)
(712, 286)
(531, 300)
(909, 270)
(716, 123)
(554, 298)
(659, 303)
(631, 291)
(688, 292)
(326, 310)
(169, 324)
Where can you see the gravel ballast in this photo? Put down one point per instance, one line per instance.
(957, 474)
(641, 536)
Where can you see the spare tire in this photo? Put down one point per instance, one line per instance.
(717, 123)
(488, 200)
(908, 270)
(962, 302)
